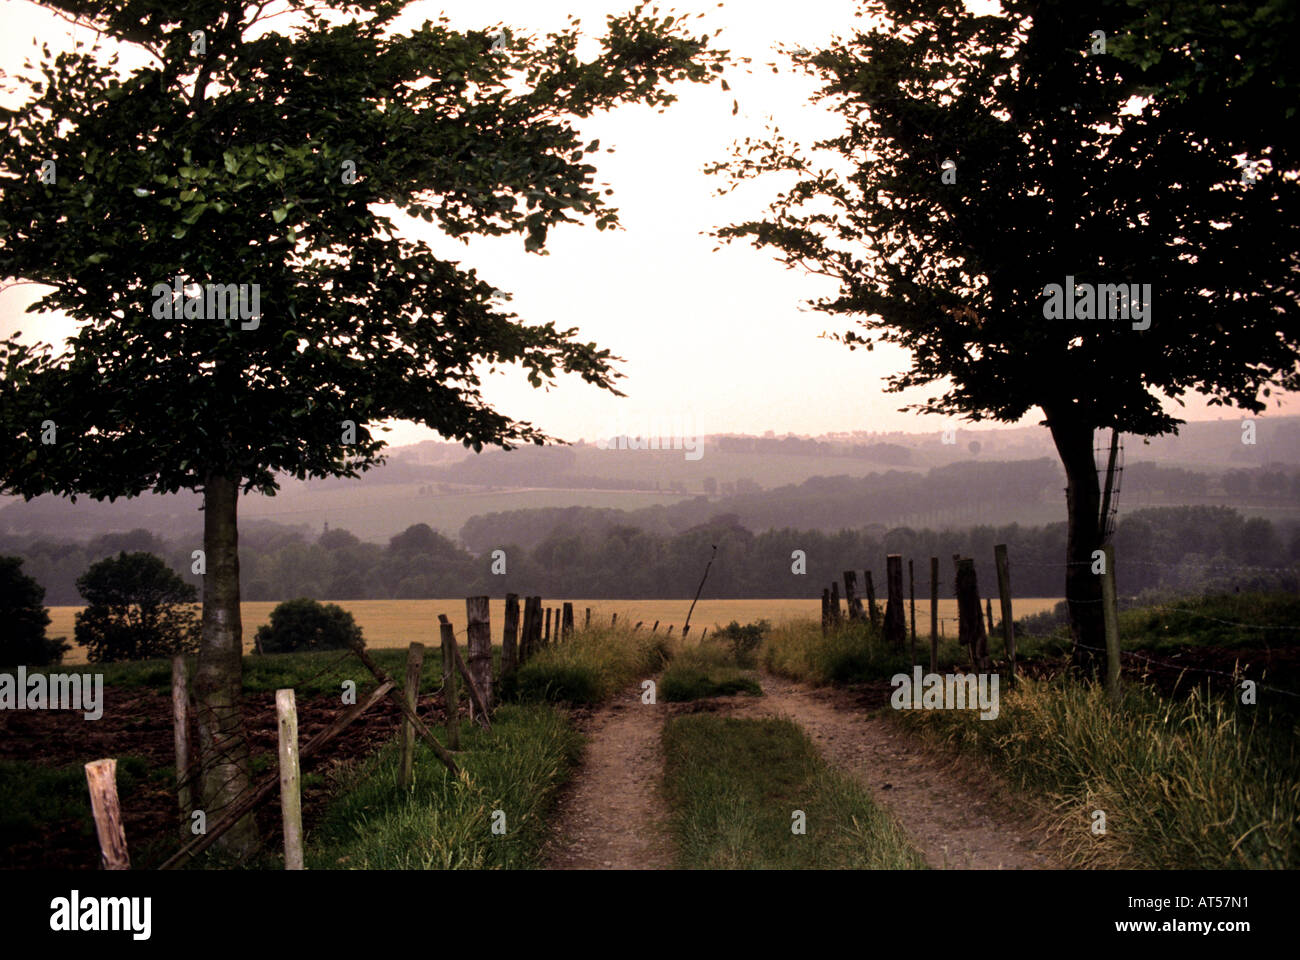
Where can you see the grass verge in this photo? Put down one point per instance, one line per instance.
(445, 823)
(734, 785)
(708, 669)
(588, 667)
(1192, 783)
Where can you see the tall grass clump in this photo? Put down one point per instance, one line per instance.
(589, 666)
(733, 784)
(715, 667)
(853, 651)
(1196, 782)
(445, 823)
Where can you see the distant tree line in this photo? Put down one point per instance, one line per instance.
(1183, 548)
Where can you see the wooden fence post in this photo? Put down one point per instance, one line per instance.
(851, 598)
(895, 623)
(181, 741)
(934, 614)
(450, 695)
(872, 611)
(414, 667)
(546, 637)
(970, 621)
(835, 602)
(613, 621)
(510, 636)
(911, 590)
(567, 628)
(1004, 595)
(587, 622)
(535, 643)
(478, 646)
(826, 610)
(655, 627)
(286, 715)
(988, 610)
(101, 778)
(670, 630)
(1110, 614)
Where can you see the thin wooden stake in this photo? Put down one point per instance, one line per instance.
(181, 741)
(510, 636)
(872, 611)
(566, 626)
(286, 715)
(101, 778)
(911, 590)
(1003, 565)
(395, 696)
(479, 712)
(934, 614)
(450, 695)
(895, 622)
(1110, 615)
(414, 667)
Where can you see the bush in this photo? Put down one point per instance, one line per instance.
(136, 609)
(304, 624)
(744, 641)
(23, 613)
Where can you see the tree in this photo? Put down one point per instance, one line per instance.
(984, 158)
(23, 613)
(136, 609)
(304, 624)
(220, 224)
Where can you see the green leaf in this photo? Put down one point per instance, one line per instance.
(231, 161)
(279, 214)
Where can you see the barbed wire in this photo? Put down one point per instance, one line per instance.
(1190, 669)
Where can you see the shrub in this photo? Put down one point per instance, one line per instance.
(23, 613)
(744, 641)
(304, 624)
(136, 609)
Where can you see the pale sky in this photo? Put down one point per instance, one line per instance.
(715, 342)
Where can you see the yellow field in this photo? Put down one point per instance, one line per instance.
(395, 623)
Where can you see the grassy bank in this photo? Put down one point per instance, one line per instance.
(733, 786)
(588, 667)
(719, 666)
(1193, 783)
(441, 823)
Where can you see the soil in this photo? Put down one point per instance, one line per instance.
(138, 723)
(612, 815)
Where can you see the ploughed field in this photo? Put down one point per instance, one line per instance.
(395, 623)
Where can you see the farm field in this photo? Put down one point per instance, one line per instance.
(395, 623)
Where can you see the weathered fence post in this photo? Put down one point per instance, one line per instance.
(546, 637)
(567, 627)
(414, 667)
(286, 715)
(826, 610)
(613, 621)
(988, 611)
(450, 696)
(835, 602)
(895, 623)
(670, 630)
(655, 627)
(181, 740)
(1004, 595)
(510, 635)
(1110, 615)
(911, 590)
(851, 598)
(478, 646)
(638, 626)
(587, 622)
(872, 611)
(535, 642)
(970, 621)
(934, 614)
(101, 778)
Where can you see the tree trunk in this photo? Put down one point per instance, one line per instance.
(218, 681)
(1083, 501)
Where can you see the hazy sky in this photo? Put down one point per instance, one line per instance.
(712, 342)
